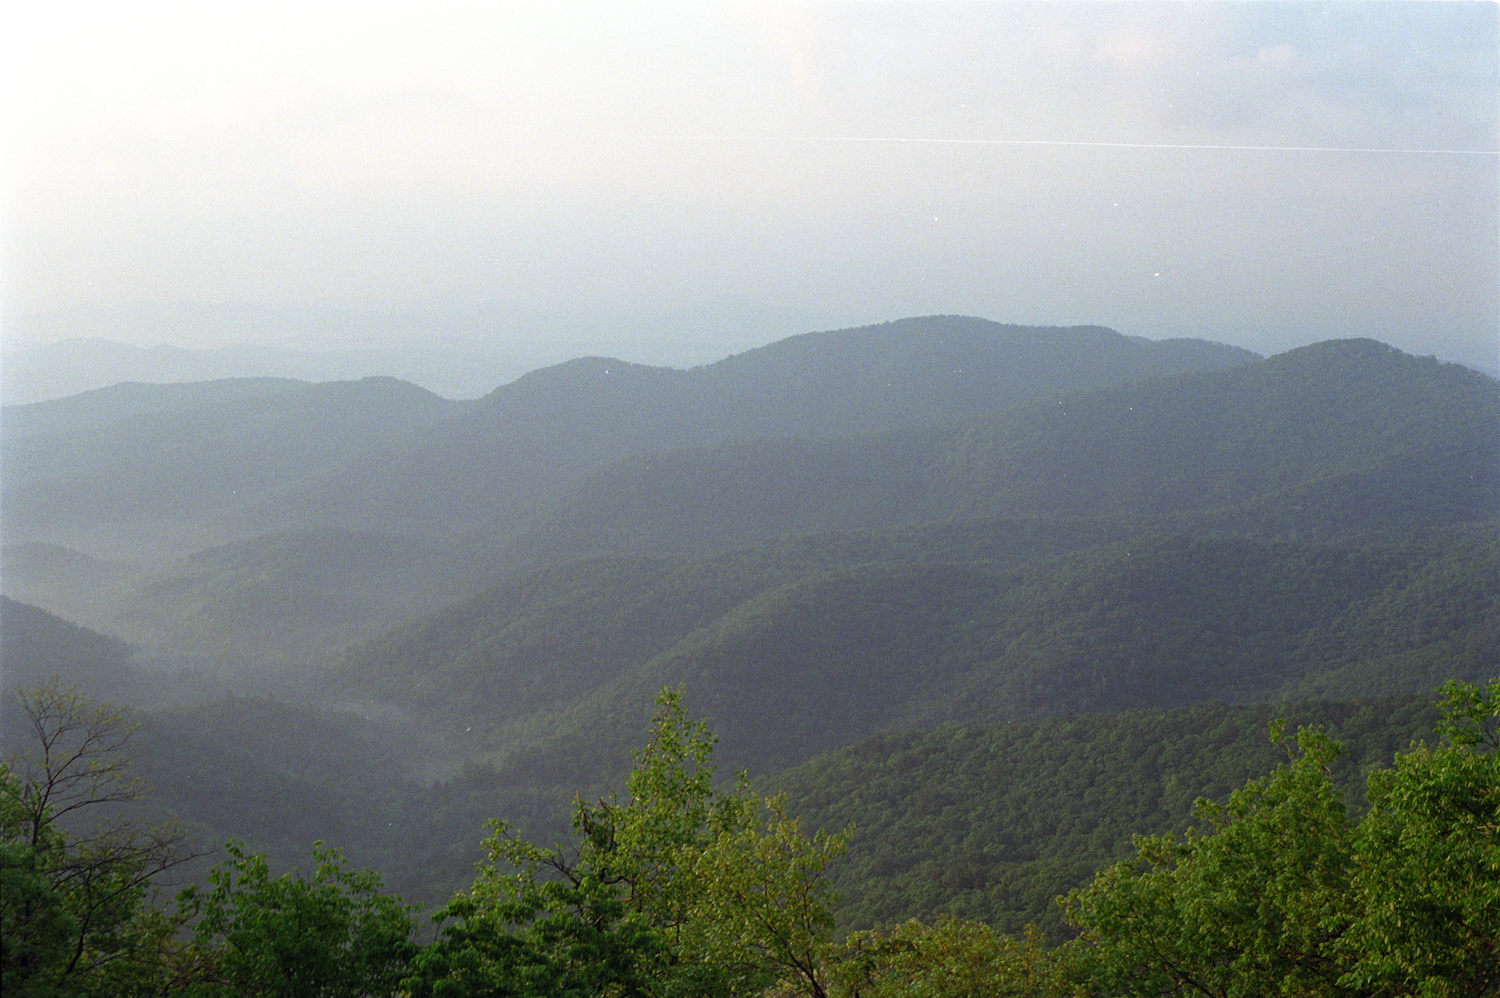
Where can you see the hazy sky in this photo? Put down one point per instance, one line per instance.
(1265, 174)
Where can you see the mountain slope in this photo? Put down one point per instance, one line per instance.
(36, 646)
(1336, 440)
(232, 459)
(288, 600)
(993, 823)
(555, 669)
(520, 444)
(167, 459)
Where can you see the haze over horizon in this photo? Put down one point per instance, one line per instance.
(1265, 174)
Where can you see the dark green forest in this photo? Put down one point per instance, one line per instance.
(683, 885)
(938, 657)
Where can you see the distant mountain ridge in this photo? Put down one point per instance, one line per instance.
(102, 408)
(1340, 437)
(459, 351)
(59, 370)
(400, 460)
(510, 453)
(166, 458)
(1219, 534)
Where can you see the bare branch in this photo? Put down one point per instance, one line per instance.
(79, 760)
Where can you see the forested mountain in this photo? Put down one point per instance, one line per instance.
(273, 602)
(292, 598)
(36, 645)
(103, 409)
(791, 656)
(994, 823)
(1335, 442)
(1158, 603)
(1000, 596)
(69, 582)
(259, 468)
(235, 459)
(172, 462)
(986, 822)
(509, 454)
(1330, 441)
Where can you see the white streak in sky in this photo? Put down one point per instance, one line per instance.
(896, 140)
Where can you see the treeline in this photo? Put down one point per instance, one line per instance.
(536, 688)
(682, 887)
(279, 776)
(988, 822)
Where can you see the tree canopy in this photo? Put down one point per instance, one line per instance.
(681, 886)
(1284, 894)
(77, 870)
(678, 889)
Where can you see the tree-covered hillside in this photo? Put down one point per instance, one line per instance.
(516, 448)
(1330, 442)
(698, 882)
(147, 477)
(1293, 447)
(230, 459)
(166, 464)
(993, 823)
(794, 651)
(286, 600)
(36, 645)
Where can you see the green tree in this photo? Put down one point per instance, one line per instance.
(1249, 908)
(77, 871)
(678, 890)
(952, 958)
(331, 934)
(35, 921)
(1427, 862)
(759, 900)
(1285, 896)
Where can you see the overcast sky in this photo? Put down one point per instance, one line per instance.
(1264, 174)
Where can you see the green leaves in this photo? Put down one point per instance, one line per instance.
(1471, 715)
(74, 911)
(680, 889)
(1285, 896)
(1427, 861)
(950, 959)
(36, 920)
(331, 934)
(759, 897)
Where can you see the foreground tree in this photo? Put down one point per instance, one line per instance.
(678, 890)
(1247, 909)
(77, 871)
(1284, 896)
(1426, 878)
(951, 959)
(331, 934)
(759, 900)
